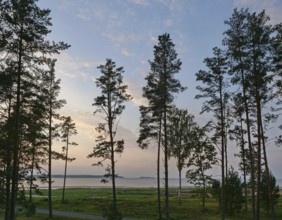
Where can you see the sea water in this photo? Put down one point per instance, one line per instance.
(120, 182)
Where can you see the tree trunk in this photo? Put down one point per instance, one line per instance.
(113, 176)
(244, 164)
(110, 125)
(65, 173)
(31, 172)
(8, 172)
(248, 124)
(158, 170)
(258, 98)
(222, 120)
(15, 166)
(267, 177)
(50, 159)
(179, 188)
(166, 167)
(8, 186)
(204, 194)
(258, 162)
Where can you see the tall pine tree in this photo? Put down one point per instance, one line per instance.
(159, 91)
(110, 104)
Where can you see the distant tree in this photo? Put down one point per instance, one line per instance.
(110, 104)
(216, 98)
(67, 130)
(151, 130)
(234, 197)
(215, 190)
(266, 203)
(161, 85)
(180, 134)
(203, 156)
(238, 134)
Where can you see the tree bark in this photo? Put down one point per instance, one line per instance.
(166, 166)
(179, 188)
(244, 164)
(50, 157)
(267, 177)
(15, 167)
(158, 170)
(246, 107)
(8, 172)
(65, 173)
(31, 172)
(110, 125)
(223, 202)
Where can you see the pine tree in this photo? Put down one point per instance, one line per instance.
(25, 27)
(161, 85)
(250, 42)
(216, 101)
(151, 130)
(110, 104)
(236, 40)
(68, 129)
(238, 134)
(51, 89)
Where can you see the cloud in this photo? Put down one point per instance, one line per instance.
(84, 14)
(140, 2)
(73, 67)
(272, 7)
(175, 6)
(168, 22)
(153, 38)
(135, 90)
(126, 53)
(120, 38)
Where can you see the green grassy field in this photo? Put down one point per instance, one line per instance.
(137, 203)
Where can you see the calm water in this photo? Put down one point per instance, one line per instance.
(120, 182)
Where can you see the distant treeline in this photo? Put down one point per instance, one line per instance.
(82, 176)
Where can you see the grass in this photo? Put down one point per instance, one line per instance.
(137, 203)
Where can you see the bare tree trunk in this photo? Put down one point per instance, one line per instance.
(31, 172)
(50, 168)
(259, 137)
(222, 130)
(267, 176)
(8, 172)
(110, 125)
(166, 167)
(179, 188)
(8, 186)
(251, 155)
(50, 155)
(15, 166)
(244, 165)
(158, 170)
(204, 195)
(113, 178)
(65, 173)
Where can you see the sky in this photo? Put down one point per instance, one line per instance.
(126, 32)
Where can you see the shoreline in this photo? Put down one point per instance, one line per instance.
(117, 187)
